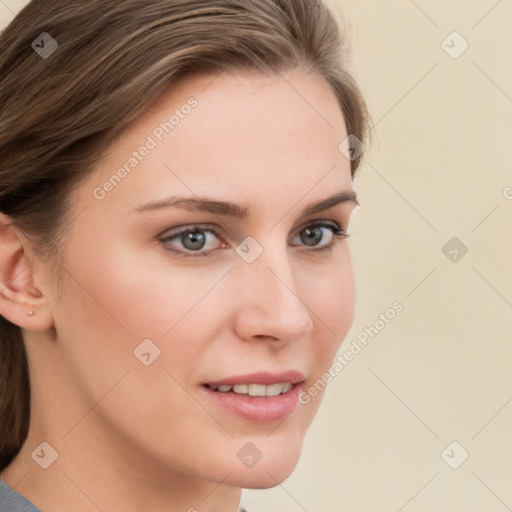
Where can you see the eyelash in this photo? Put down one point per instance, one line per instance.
(338, 232)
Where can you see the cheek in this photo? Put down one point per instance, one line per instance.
(333, 313)
(110, 305)
(138, 293)
(332, 310)
(332, 304)
(114, 301)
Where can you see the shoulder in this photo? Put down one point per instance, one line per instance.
(11, 501)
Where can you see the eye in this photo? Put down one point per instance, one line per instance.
(194, 240)
(313, 234)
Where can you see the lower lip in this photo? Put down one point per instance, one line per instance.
(261, 409)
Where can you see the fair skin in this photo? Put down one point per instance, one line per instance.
(139, 438)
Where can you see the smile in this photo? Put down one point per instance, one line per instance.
(258, 403)
(255, 389)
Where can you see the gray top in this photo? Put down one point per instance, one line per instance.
(11, 501)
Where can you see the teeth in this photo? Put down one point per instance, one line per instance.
(274, 389)
(257, 389)
(287, 387)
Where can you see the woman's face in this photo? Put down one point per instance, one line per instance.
(148, 315)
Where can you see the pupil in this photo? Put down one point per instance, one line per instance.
(193, 240)
(312, 236)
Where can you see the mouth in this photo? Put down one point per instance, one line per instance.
(254, 389)
(260, 398)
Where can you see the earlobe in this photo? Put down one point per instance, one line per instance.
(21, 301)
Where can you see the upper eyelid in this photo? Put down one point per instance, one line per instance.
(215, 229)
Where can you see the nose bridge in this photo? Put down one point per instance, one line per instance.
(269, 301)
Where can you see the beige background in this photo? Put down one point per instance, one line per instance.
(441, 370)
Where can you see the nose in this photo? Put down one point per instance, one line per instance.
(269, 302)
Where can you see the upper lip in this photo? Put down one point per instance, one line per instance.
(264, 378)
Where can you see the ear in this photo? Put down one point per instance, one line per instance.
(21, 299)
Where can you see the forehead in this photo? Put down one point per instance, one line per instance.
(243, 133)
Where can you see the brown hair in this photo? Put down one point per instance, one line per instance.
(60, 113)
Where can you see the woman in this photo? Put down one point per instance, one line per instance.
(175, 192)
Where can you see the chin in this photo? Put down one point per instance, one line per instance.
(265, 480)
(267, 473)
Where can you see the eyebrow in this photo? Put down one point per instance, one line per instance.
(205, 204)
